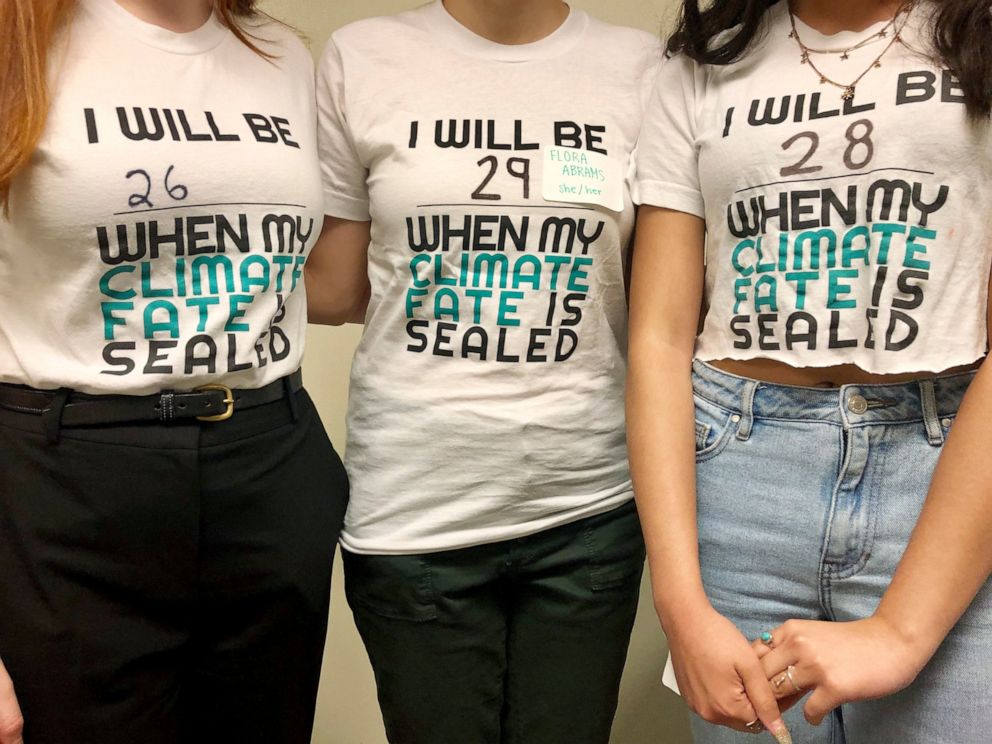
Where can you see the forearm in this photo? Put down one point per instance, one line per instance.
(360, 308)
(336, 273)
(320, 313)
(325, 306)
(950, 554)
(667, 278)
(661, 433)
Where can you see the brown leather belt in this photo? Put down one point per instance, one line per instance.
(206, 403)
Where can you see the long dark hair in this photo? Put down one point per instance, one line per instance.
(961, 39)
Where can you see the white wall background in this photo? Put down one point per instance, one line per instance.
(347, 712)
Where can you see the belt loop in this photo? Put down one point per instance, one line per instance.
(935, 433)
(287, 386)
(51, 417)
(747, 410)
(167, 407)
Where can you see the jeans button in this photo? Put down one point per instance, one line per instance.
(857, 404)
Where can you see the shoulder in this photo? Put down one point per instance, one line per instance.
(632, 46)
(284, 43)
(379, 34)
(681, 77)
(637, 39)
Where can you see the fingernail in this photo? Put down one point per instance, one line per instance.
(780, 732)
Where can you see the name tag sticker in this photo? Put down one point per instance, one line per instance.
(582, 177)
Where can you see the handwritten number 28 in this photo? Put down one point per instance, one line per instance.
(862, 140)
(177, 192)
(859, 142)
(800, 167)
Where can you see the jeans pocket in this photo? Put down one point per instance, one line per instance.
(714, 428)
(400, 587)
(615, 548)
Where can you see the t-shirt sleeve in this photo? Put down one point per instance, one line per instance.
(344, 175)
(667, 163)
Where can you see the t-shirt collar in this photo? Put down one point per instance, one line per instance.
(461, 38)
(813, 38)
(203, 39)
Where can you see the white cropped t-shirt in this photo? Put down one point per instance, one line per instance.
(838, 231)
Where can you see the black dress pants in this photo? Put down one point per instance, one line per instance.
(168, 584)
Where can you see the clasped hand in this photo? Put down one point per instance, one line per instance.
(836, 663)
(729, 682)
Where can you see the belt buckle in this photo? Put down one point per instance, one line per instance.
(228, 401)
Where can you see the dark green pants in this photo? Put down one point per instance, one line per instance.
(518, 642)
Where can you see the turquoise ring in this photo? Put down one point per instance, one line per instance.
(767, 639)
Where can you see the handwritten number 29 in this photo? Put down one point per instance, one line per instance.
(517, 167)
(859, 142)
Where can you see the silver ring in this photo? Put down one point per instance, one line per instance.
(755, 727)
(788, 673)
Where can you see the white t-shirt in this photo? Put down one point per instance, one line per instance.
(838, 231)
(487, 391)
(157, 238)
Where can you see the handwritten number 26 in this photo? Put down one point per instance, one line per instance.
(177, 192)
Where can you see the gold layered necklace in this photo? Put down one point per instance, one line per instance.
(891, 31)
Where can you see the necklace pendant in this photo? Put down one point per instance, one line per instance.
(823, 80)
(848, 93)
(845, 55)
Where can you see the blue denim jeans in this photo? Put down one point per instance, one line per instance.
(806, 501)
